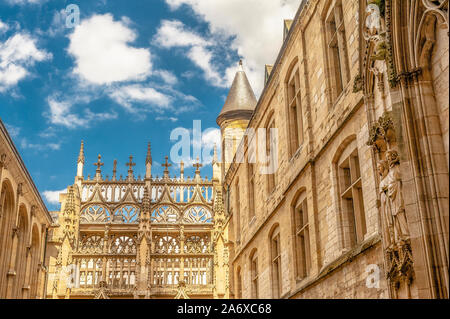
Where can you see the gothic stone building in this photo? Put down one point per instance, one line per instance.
(133, 237)
(358, 204)
(24, 225)
(344, 195)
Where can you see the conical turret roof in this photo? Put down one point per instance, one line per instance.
(241, 100)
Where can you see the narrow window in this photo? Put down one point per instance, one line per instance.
(337, 50)
(302, 241)
(270, 149)
(239, 284)
(352, 205)
(238, 211)
(294, 111)
(276, 263)
(251, 191)
(254, 274)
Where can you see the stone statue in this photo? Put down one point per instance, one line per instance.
(373, 19)
(383, 170)
(395, 197)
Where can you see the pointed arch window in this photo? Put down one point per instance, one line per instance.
(301, 234)
(270, 152)
(275, 253)
(254, 274)
(251, 191)
(294, 110)
(337, 57)
(237, 210)
(6, 225)
(351, 203)
(239, 284)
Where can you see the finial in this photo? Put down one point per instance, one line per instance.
(166, 166)
(99, 164)
(81, 155)
(148, 160)
(197, 166)
(114, 169)
(182, 167)
(241, 68)
(130, 165)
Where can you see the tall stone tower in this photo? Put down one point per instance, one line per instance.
(235, 116)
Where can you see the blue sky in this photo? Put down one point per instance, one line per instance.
(125, 73)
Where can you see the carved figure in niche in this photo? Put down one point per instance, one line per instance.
(380, 50)
(395, 195)
(373, 19)
(383, 170)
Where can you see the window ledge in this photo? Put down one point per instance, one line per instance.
(342, 95)
(330, 267)
(347, 254)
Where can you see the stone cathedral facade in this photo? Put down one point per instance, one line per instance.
(345, 195)
(132, 237)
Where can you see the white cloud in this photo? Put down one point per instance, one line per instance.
(60, 114)
(255, 27)
(3, 27)
(18, 53)
(203, 59)
(130, 94)
(166, 118)
(13, 131)
(39, 147)
(175, 34)
(22, 2)
(102, 52)
(211, 137)
(167, 77)
(58, 24)
(52, 197)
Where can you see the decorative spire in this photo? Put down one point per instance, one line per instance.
(114, 170)
(81, 155)
(148, 160)
(99, 164)
(130, 165)
(197, 166)
(182, 167)
(166, 166)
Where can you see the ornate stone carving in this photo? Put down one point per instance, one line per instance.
(395, 228)
(103, 291)
(382, 133)
(182, 291)
(399, 265)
